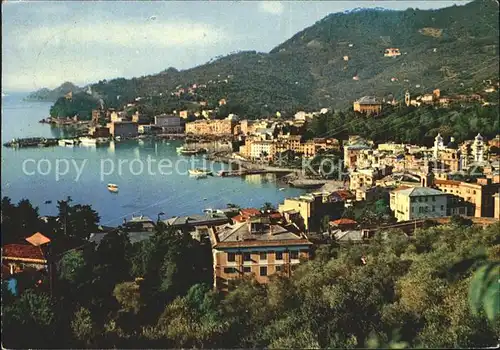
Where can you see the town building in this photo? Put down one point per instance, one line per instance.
(367, 105)
(418, 203)
(197, 226)
(99, 131)
(256, 248)
(170, 124)
(351, 152)
(123, 129)
(308, 211)
(392, 52)
(479, 194)
(211, 127)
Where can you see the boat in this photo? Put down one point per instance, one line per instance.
(102, 140)
(66, 142)
(281, 189)
(88, 141)
(113, 188)
(179, 149)
(199, 172)
(188, 152)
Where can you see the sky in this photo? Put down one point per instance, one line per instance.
(45, 43)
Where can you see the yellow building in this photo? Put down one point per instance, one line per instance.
(367, 105)
(480, 194)
(211, 127)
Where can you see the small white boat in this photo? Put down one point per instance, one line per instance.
(88, 141)
(118, 138)
(113, 188)
(66, 142)
(199, 172)
(179, 149)
(281, 189)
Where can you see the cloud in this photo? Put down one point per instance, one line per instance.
(124, 34)
(272, 7)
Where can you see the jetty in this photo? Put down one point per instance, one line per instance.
(243, 172)
(32, 142)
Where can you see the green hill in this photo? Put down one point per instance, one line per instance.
(52, 95)
(453, 49)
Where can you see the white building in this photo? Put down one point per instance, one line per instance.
(438, 145)
(261, 149)
(418, 203)
(478, 148)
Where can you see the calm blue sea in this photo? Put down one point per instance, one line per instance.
(31, 173)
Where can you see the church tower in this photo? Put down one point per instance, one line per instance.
(438, 145)
(478, 148)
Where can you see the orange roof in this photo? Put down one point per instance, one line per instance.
(239, 218)
(38, 239)
(447, 182)
(343, 221)
(344, 194)
(22, 251)
(249, 212)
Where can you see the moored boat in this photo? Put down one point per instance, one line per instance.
(198, 172)
(113, 188)
(88, 141)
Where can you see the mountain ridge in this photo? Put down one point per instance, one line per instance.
(339, 59)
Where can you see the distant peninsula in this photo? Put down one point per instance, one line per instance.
(48, 95)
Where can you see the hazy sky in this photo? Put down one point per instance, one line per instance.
(47, 43)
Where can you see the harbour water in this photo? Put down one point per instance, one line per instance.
(53, 173)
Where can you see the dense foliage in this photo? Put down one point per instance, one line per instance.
(453, 49)
(157, 294)
(410, 124)
(81, 105)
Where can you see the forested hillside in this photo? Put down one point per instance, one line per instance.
(393, 292)
(452, 49)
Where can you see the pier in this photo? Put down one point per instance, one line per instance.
(32, 142)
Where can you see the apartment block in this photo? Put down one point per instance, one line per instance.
(256, 248)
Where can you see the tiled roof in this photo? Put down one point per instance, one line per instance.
(420, 191)
(22, 251)
(239, 234)
(368, 100)
(196, 219)
(249, 211)
(38, 239)
(343, 221)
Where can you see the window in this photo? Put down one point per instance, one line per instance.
(229, 270)
(442, 207)
(433, 208)
(426, 199)
(247, 269)
(263, 256)
(294, 254)
(279, 255)
(278, 268)
(231, 257)
(263, 270)
(247, 257)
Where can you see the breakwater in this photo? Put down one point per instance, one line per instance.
(32, 142)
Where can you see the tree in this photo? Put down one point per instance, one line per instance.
(129, 296)
(83, 327)
(73, 268)
(31, 314)
(267, 207)
(77, 220)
